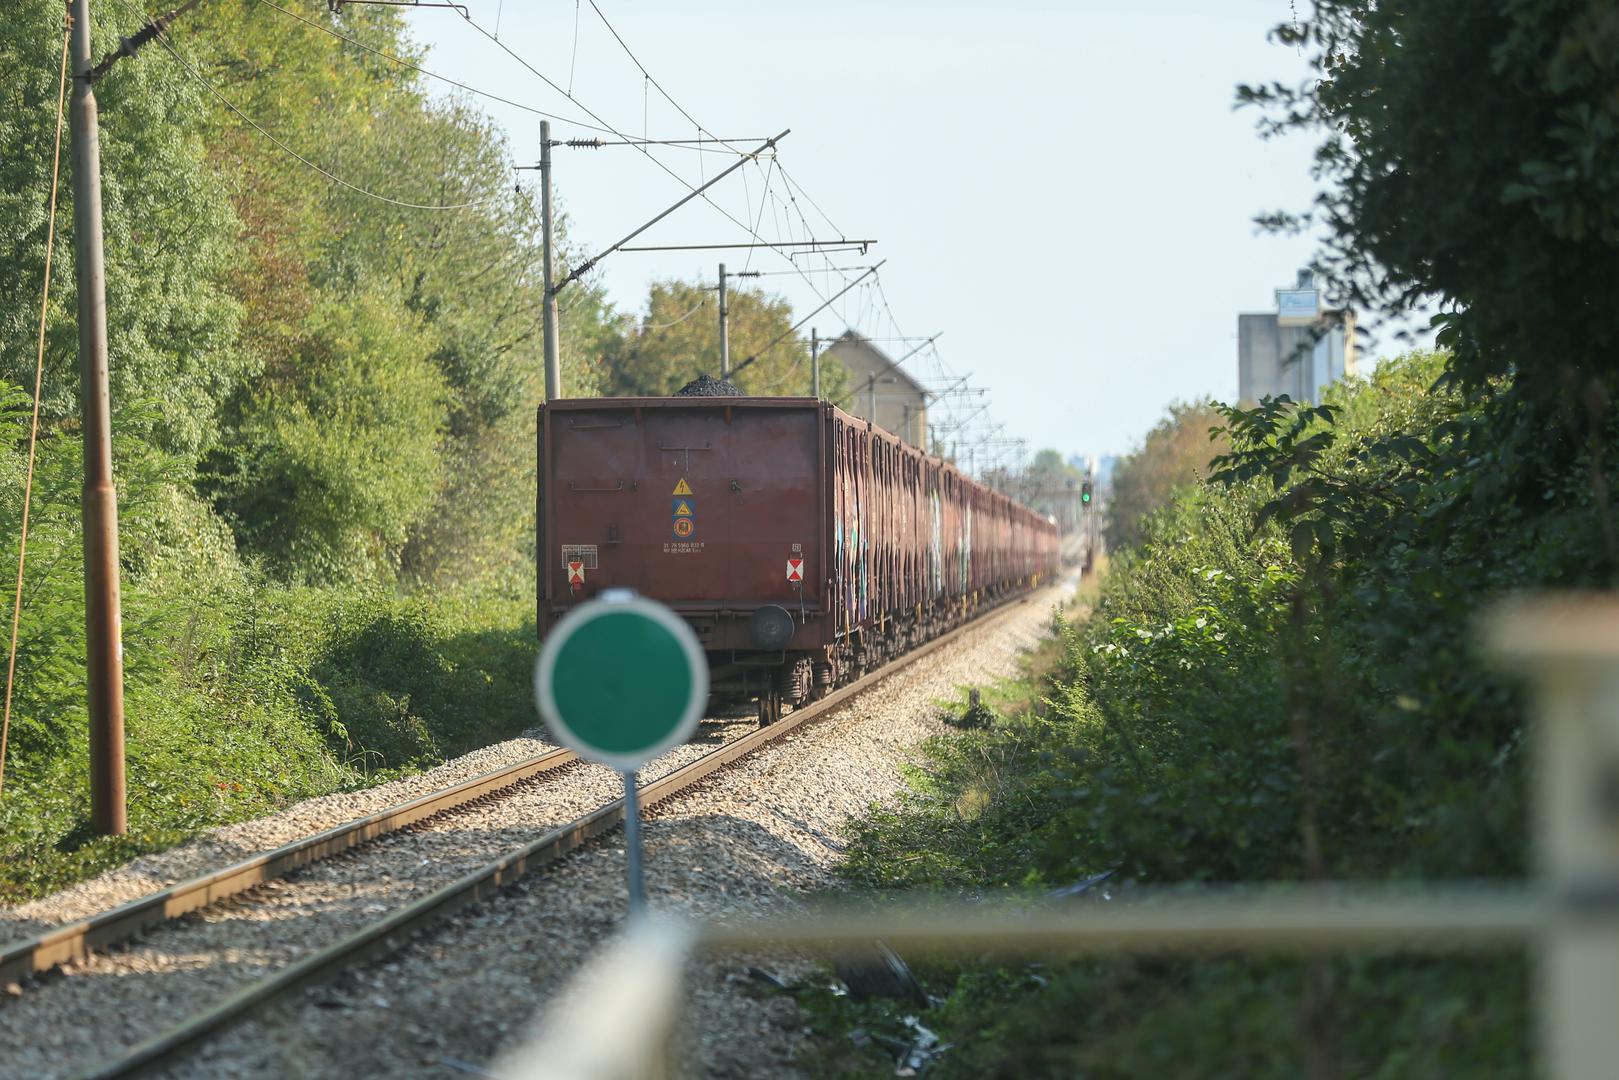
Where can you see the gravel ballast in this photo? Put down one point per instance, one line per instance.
(231, 843)
(708, 386)
(748, 841)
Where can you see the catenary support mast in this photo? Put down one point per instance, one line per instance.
(553, 352)
(725, 330)
(815, 363)
(102, 616)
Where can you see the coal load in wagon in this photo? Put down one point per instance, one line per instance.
(708, 386)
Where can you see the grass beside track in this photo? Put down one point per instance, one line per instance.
(249, 702)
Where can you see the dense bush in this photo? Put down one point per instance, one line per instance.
(1176, 453)
(243, 700)
(336, 463)
(1278, 684)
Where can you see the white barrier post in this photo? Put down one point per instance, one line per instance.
(1569, 646)
(616, 1017)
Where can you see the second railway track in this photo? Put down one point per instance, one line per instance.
(445, 890)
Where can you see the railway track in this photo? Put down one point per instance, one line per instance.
(79, 939)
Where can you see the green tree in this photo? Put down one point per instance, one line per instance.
(678, 338)
(1469, 157)
(169, 230)
(465, 277)
(1175, 453)
(334, 467)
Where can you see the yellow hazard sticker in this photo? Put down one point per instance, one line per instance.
(682, 488)
(682, 508)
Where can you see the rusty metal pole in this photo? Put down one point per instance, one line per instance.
(102, 617)
(553, 349)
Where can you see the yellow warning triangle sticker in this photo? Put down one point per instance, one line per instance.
(683, 510)
(682, 488)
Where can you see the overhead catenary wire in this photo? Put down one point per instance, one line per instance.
(647, 334)
(685, 144)
(694, 193)
(764, 196)
(604, 125)
(701, 304)
(795, 185)
(373, 50)
(893, 365)
(615, 131)
(573, 59)
(682, 110)
(644, 72)
(800, 323)
(411, 65)
(835, 269)
(39, 385)
(793, 188)
(933, 349)
(702, 130)
(601, 125)
(854, 245)
(163, 40)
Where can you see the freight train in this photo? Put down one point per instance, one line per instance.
(804, 545)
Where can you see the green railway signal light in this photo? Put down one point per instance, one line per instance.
(1085, 494)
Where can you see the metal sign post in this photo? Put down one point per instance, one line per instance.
(621, 680)
(632, 846)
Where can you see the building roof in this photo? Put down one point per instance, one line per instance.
(877, 361)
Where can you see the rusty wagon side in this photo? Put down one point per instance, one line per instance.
(802, 544)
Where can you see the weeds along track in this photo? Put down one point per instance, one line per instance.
(257, 933)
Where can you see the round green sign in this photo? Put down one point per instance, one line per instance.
(621, 679)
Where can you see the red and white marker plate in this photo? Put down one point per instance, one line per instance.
(795, 569)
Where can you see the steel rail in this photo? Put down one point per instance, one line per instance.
(383, 934)
(76, 940)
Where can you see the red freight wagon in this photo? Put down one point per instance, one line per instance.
(803, 545)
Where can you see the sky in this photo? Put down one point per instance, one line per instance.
(1062, 191)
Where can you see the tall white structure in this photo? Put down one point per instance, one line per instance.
(1299, 349)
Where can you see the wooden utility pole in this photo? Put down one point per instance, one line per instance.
(102, 617)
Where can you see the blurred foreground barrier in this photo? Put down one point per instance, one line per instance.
(1569, 647)
(614, 1022)
(615, 1019)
